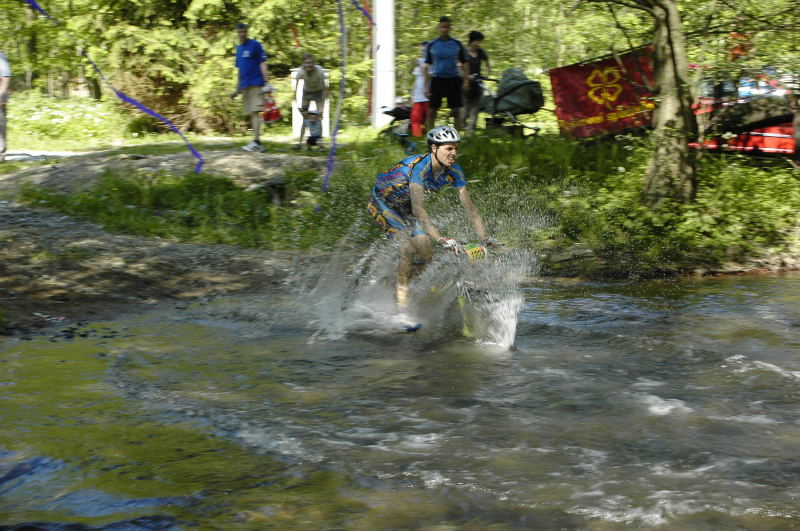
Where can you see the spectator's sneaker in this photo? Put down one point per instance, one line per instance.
(254, 146)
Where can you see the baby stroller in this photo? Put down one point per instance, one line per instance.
(397, 130)
(516, 95)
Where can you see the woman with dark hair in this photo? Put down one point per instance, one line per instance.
(476, 55)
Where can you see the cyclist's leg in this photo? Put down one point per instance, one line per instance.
(415, 253)
(422, 253)
(405, 268)
(397, 229)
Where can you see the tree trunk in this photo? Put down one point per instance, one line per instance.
(796, 133)
(64, 84)
(671, 169)
(95, 89)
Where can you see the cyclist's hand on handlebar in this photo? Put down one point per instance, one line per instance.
(450, 244)
(491, 242)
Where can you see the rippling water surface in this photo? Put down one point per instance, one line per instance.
(671, 404)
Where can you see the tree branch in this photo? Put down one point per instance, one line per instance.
(633, 4)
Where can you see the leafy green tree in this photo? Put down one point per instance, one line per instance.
(177, 55)
(672, 167)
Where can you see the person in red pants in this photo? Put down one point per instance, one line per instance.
(419, 108)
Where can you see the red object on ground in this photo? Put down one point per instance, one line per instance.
(605, 95)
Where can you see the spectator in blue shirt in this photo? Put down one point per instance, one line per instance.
(446, 74)
(251, 61)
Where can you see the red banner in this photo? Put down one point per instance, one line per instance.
(604, 96)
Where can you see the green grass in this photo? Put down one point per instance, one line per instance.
(10, 166)
(549, 195)
(192, 208)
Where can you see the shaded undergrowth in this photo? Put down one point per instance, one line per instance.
(552, 195)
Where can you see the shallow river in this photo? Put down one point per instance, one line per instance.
(621, 405)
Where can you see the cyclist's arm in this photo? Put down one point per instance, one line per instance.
(418, 209)
(472, 212)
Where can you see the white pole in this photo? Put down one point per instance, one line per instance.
(383, 80)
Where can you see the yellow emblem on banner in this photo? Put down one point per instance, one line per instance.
(604, 85)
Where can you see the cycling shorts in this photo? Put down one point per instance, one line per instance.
(391, 221)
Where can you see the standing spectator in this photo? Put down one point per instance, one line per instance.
(5, 79)
(476, 55)
(315, 88)
(419, 108)
(251, 61)
(446, 74)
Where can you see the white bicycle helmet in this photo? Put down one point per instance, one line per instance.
(443, 134)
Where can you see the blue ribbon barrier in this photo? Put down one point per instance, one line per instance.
(121, 95)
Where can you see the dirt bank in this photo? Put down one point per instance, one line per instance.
(53, 268)
(57, 269)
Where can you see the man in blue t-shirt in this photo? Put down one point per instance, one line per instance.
(251, 61)
(446, 74)
(397, 204)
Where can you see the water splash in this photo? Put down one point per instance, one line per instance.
(479, 300)
(452, 297)
(352, 296)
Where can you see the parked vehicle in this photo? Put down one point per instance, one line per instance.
(753, 115)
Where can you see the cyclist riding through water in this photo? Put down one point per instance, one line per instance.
(397, 204)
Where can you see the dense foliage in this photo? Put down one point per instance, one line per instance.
(550, 196)
(176, 56)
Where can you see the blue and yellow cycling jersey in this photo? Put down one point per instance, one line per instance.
(390, 204)
(392, 186)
